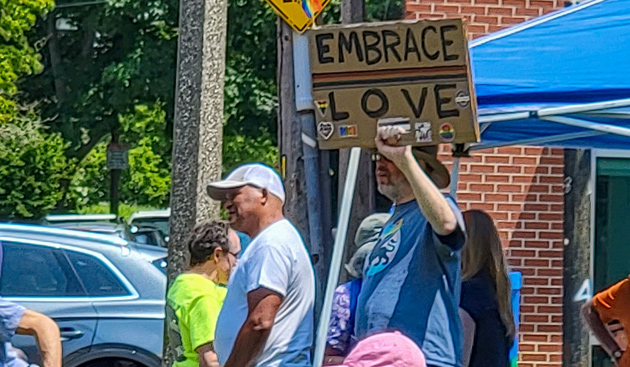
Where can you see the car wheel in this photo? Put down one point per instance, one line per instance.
(110, 362)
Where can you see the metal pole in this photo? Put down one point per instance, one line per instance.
(337, 255)
(605, 128)
(304, 106)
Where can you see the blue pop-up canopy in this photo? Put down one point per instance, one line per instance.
(559, 80)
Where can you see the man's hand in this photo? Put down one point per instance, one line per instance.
(333, 360)
(46, 333)
(207, 356)
(387, 138)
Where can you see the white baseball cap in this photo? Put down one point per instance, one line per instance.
(255, 174)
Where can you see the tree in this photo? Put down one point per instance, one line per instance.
(147, 181)
(32, 161)
(101, 61)
(17, 57)
(32, 167)
(104, 62)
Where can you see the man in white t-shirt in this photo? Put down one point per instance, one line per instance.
(267, 316)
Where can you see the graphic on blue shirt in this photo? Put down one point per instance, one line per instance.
(384, 253)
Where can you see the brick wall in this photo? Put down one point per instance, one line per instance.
(482, 16)
(521, 187)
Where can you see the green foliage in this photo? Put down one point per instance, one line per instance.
(17, 57)
(32, 168)
(250, 80)
(238, 150)
(113, 70)
(147, 181)
(112, 57)
(90, 183)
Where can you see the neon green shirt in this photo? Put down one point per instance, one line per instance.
(193, 306)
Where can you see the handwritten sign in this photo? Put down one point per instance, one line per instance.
(412, 74)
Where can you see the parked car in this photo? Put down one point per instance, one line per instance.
(148, 235)
(105, 293)
(120, 230)
(157, 218)
(84, 218)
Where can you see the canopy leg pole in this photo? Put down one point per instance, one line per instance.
(454, 178)
(337, 256)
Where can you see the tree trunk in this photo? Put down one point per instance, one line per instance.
(197, 140)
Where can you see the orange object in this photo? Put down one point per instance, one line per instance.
(614, 304)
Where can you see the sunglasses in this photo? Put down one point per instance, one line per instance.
(378, 156)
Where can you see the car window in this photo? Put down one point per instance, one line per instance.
(159, 223)
(36, 271)
(98, 279)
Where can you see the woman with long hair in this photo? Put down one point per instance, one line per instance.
(485, 306)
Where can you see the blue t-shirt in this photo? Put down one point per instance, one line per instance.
(412, 282)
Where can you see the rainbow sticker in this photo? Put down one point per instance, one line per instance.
(447, 132)
(311, 7)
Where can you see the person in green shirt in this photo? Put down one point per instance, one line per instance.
(195, 298)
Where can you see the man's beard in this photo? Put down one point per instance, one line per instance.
(389, 190)
(396, 188)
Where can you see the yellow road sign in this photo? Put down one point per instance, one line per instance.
(299, 14)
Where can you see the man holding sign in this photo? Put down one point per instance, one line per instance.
(412, 277)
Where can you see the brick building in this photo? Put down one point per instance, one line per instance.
(521, 187)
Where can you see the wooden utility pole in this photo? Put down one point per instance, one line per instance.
(353, 11)
(198, 132)
(300, 154)
(577, 252)
(114, 181)
(290, 134)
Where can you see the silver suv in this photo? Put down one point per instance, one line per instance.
(106, 294)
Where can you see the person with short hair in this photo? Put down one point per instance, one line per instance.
(195, 298)
(486, 302)
(267, 319)
(412, 277)
(608, 306)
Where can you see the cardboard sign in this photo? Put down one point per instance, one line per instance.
(299, 14)
(412, 74)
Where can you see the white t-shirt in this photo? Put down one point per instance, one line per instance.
(276, 260)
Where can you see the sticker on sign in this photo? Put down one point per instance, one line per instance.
(368, 74)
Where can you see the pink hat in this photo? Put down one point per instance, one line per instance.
(385, 350)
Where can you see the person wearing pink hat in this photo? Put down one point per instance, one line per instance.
(385, 350)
